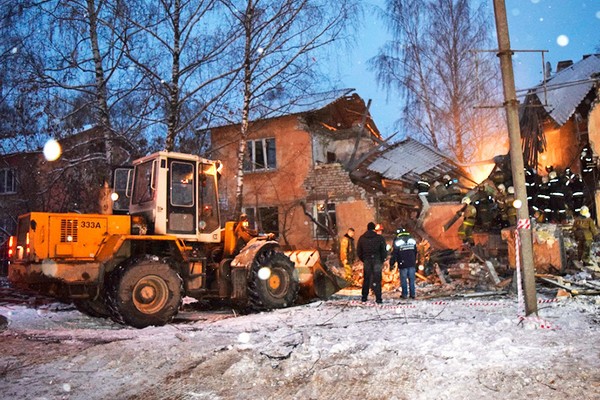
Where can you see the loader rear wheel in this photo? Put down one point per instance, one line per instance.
(273, 281)
(146, 293)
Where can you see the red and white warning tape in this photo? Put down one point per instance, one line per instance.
(435, 303)
(525, 224)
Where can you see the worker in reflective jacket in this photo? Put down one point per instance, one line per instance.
(465, 231)
(577, 188)
(585, 230)
(404, 255)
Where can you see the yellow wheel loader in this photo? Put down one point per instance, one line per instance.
(137, 267)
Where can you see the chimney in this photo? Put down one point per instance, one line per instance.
(563, 65)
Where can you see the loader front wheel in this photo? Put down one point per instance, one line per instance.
(273, 282)
(146, 293)
(94, 308)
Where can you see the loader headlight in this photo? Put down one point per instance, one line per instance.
(114, 196)
(264, 273)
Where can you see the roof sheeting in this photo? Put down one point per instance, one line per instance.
(566, 89)
(410, 159)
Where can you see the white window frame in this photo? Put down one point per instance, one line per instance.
(267, 163)
(8, 176)
(320, 214)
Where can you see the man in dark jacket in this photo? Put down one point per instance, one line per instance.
(404, 253)
(372, 252)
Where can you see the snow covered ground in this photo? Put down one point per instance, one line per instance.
(338, 349)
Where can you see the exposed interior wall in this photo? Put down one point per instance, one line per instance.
(594, 137)
(594, 128)
(355, 214)
(562, 148)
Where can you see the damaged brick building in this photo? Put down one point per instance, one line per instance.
(297, 167)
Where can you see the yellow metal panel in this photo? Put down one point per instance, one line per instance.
(64, 249)
(229, 246)
(70, 235)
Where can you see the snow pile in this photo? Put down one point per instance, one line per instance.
(339, 349)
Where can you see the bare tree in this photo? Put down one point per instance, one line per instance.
(76, 58)
(178, 46)
(433, 61)
(280, 39)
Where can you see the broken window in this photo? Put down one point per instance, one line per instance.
(325, 213)
(263, 219)
(260, 155)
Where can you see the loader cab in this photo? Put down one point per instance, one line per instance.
(177, 195)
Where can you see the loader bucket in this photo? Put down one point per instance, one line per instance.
(316, 280)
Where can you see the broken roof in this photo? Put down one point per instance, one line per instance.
(315, 101)
(410, 160)
(280, 107)
(567, 88)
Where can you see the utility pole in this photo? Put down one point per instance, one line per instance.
(511, 105)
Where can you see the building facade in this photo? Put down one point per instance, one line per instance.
(296, 180)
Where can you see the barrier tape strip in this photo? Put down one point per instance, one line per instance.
(521, 224)
(525, 224)
(416, 303)
(537, 322)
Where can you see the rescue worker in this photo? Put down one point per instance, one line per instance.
(532, 184)
(404, 255)
(587, 161)
(577, 189)
(511, 211)
(442, 192)
(422, 187)
(543, 197)
(371, 250)
(501, 200)
(454, 192)
(436, 190)
(465, 231)
(585, 230)
(243, 233)
(502, 171)
(487, 211)
(558, 203)
(348, 253)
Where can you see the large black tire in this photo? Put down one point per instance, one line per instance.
(280, 289)
(144, 293)
(94, 308)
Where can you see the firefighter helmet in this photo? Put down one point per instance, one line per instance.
(402, 232)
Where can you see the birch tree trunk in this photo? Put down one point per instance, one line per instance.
(101, 89)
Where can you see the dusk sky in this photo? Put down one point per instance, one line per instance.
(567, 29)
